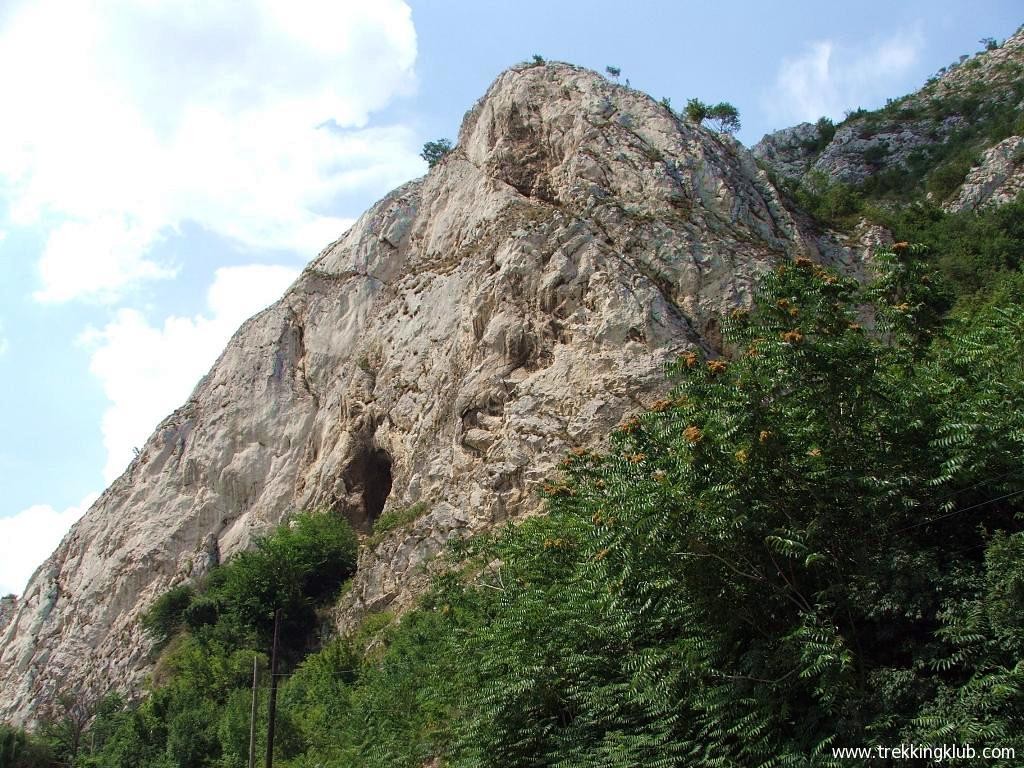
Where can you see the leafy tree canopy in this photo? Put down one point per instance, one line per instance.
(722, 117)
(434, 151)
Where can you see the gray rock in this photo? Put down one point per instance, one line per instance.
(790, 152)
(998, 179)
(8, 604)
(861, 149)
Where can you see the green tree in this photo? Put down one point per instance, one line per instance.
(434, 151)
(167, 613)
(696, 110)
(722, 117)
(19, 749)
(761, 566)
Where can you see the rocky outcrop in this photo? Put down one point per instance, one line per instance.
(791, 151)
(862, 148)
(998, 179)
(470, 328)
(8, 604)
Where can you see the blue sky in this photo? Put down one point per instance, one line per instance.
(166, 168)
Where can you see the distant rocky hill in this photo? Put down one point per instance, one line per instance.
(911, 133)
(445, 352)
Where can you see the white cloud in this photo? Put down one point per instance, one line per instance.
(147, 371)
(28, 537)
(96, 258)
(828, 79)
(3, 339)
(124, 119)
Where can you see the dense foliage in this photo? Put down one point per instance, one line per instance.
(972, 249)
(19, 750)
(197, 713)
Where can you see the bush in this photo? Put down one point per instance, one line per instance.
(826, 132)
(696, 110)
(973, 249)
(947, 177)
(167, 613)
(830, 202)
(297, 567)
(19, 749)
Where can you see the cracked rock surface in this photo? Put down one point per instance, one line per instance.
(470, 328)
(996, 180)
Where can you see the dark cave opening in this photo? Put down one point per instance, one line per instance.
(368, 479)
(377, 485)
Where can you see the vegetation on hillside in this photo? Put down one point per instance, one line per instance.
(197, 711)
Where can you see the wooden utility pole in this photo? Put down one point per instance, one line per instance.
(252, 716)
(272, 705)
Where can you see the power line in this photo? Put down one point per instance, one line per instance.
(958, 511)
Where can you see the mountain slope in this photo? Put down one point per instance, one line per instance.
(446, 351)
(933, 135)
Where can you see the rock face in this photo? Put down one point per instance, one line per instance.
(998, 179)
(469, 329)
(8, 604)
(791, 151)
(862, 148)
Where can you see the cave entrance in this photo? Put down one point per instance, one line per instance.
(368, 478)
(378, 484)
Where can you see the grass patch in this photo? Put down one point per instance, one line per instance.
(395, 518)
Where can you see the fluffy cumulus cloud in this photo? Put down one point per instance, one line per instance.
(28, 537)
(3, 339)
(828, 78)
(123, 119)
(147, 370)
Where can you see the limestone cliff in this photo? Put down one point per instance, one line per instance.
(447, 350)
